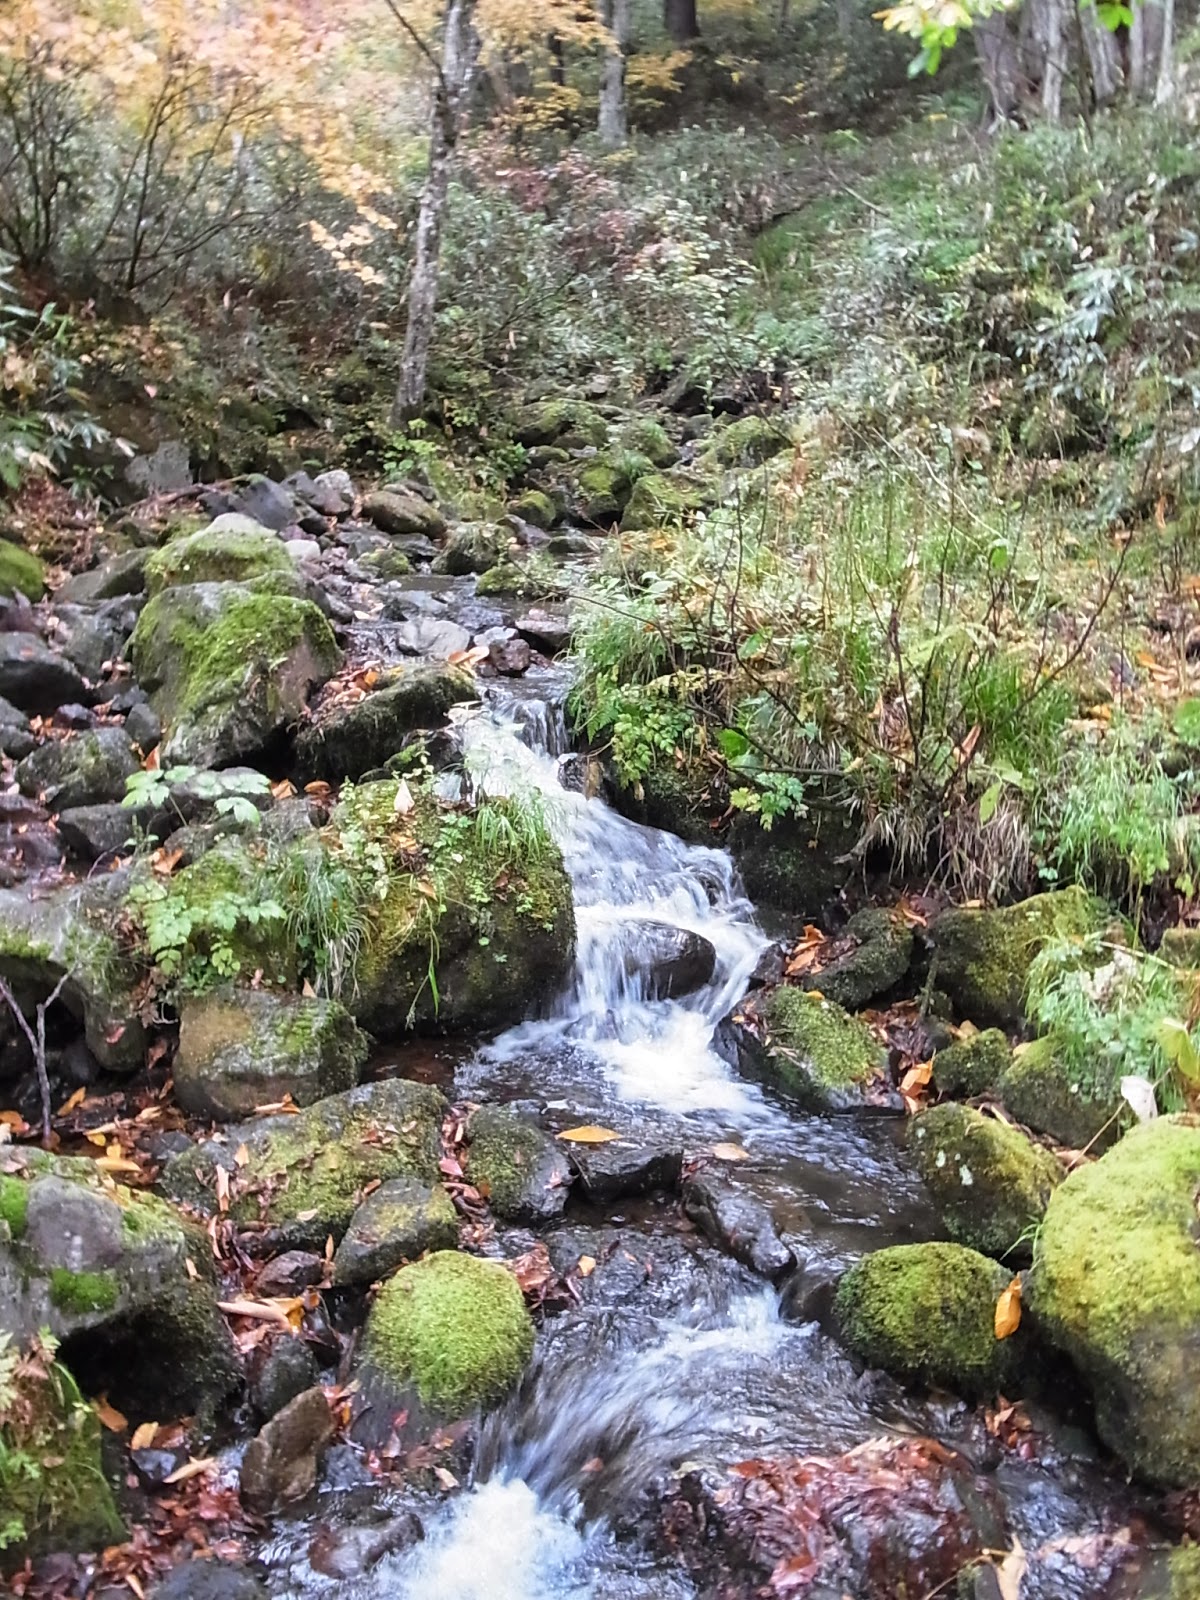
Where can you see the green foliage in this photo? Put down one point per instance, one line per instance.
(229, 791)
(193, 941)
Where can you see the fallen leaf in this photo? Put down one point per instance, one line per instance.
(445, 1478)
(404, 801)
(109, 1415)
(222, 1189)
(242, 1155)
(585, 1266)
(262, 1310)
(144, 1436)
(191, 1469)
(1011, 1570)
(75, 1100)
(109, 1163)
(1008, 1310)
(308, 991)
(726, 1151)
(190, 1268)
(164, 862)
(589, 1134)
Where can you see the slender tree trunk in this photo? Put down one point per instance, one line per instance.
(558, 60)
(1000, 64)
(1164, 90)
(454, 76)
(613, 124)
(1138, 54)
(680, 20)
(1054, 42)
(844, 17)
(1103, 54)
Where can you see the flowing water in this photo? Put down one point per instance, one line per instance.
(683, 1357)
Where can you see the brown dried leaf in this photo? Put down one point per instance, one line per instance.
(1008, 1310)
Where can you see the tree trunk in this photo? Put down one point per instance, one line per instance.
(558, 60)
(1054, 43)
(680, 21)
(844, 17)
(1103, 54)
(613, 125)
(1164, 89)
(454, 77)
(1000, 64)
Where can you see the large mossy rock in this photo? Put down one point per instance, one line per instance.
(973, 1065)
(990, 1183)
(817, 1051)
(451, 1329)
(645, 437)
(72, 932)
(497, 934)
(1040, 1089)
(399, 1222)
(869, 957)
(926, 1312)
(522, 1172)
(85, 769)
(1116, 1285)
(983, 956)
(571, 424)
(20, 572)
(473, 547)
(661, 498)
(118, 1278)
(749, 442)
(229, 667)
(360, 738)
(303, 1176)
(56, 1497)
(232, 549)
(244, 1048)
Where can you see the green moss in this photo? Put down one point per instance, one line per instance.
(818, 1050)
(475, 547)
(1039, 1089)
(749, 442)
(972, 1066)
(571, 423)
(1184, 1570)
(535, 508)
(506, 578)
(605, 484)
(14, 1204)
(645, 437)
(661, 497)
(1181, 947)
(233, 553)
(926, 1312)
(20, 572)
(386, 564)
(78, 1293)
(878, 962)
(983, 956)
(454, 1328)
(1116, 1285)
(991, 1184)
(53, 1492)
(512, 1163)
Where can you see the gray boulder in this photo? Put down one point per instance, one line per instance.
(396, 512)
(737, 1222)
(84, 769)
(94, 637)
(665, 961)
(523, 1173)
(92, 832)
(16, 736)
(35, 678)
(437, 638)
(281, 1463)
(359, 738)
(400, 1222)
(123, 574)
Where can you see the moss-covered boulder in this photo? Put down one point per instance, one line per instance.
(1116, 1285)
(869, 957)
(522, 1172)
(451, 1330)
(990, 1183)
(646, 437)
(354, 739)
(972, 1065)
(926, 1312)
(1181, 947)
(229, 667)
(660, 498)
(1041, 1090)
(570, 424)
(749, 442)
(232, 549)
(303, 1175)
(84, 769)
(395, 511)
(800, 865)
(54, 1496)
(118, 1277)
(386, 564)
(828, 1059)
(535, 507)
(400, 1222)
(477, 927)
(244, 1048)
(473, 547)
(20, 572)
(983, 956)
(72, 932)
(503, 579)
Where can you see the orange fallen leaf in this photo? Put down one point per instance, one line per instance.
(1008, 1310)
(585, 1266)
(262, 1310)
(589, 1134)
(112, 1419)
(191, 1469)
(445, 1478)
(70, 1104)
(222, 1189)
(144, 1436)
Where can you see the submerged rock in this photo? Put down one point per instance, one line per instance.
(737, 1222)
(452, 1331)
(982, 957)
(926, 1312)
(244, 1048)
(523, 1173)
(401, 1221)
(303, 1175)
(990, 1183)
(622, 1168)
(666, 961)
(1116, 1285)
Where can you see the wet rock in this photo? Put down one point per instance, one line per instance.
(289, 1273)
(243, 1048)
(623, 1168)
(304, 1174)
(20, 572)
(281, 1464)
(926, 1313)
(35, 678)
(350, 1552)
(332, 493)
(282, 1370)
(94, 638)
(398, 513)
(972, 1066)
(509, 657)
(359, 738)
(535, 508)
(1039, 1089)
(982, 957)
(827, 1059)
(209, 1580)
(143, 726)
(737, 1222)
(123, 574)
(401, 1221)
(871, 956)
(990, 1183)
(70, 931)
(387, 563)
(1116, 1286)
(229, 667)
(523, 1172)
(475, 547)
(109, 1272)
(545, 631)
(94, 832)
(667, 961)
(82, 770)
(433, 637)
(16, 736)
(450, 1332)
